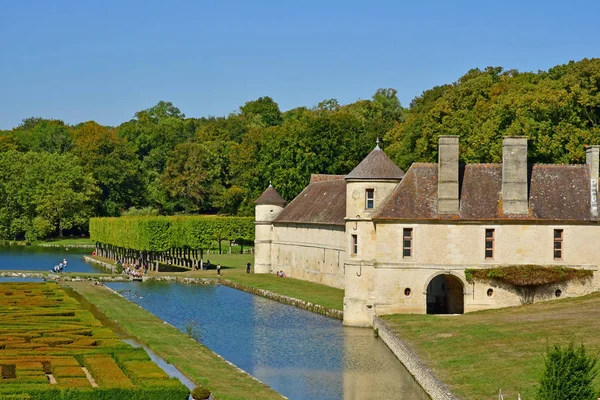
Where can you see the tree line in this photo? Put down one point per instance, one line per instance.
(56, 176)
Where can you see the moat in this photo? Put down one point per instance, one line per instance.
(300, 354)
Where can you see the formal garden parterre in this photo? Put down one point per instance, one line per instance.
(52, 348)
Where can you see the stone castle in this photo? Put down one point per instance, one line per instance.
(400, 243)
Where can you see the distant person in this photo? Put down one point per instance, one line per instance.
(218, 269)
(64, 263)
(248, 267)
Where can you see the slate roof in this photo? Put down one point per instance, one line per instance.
(556, 192)
(270, 196)
(323, 201)
(323, 177)
(377, 166)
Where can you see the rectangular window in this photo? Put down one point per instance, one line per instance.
(489, 244)
(354, 244)
(407, 239)
(558, 244)
(370, 199)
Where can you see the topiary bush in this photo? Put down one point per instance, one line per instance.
(200, 393)
(569, 374)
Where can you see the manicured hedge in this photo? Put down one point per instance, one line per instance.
(163, 233)
(43, 331)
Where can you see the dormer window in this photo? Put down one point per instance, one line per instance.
(370, 199)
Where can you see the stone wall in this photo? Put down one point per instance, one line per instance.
(423, 375)
(310, 252)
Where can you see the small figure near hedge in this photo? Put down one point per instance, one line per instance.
(569, 374)
(201, 393)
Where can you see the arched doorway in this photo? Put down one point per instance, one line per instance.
(445, 295)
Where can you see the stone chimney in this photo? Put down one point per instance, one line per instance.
(592, 158)
(448, 175)
(515, 194)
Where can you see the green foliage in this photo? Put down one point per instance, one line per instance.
(219, 165)
(200, 393)
(527, 275)
(569, 374)
(558, 110)
(42, 193)
(139, 212)
(163, 233)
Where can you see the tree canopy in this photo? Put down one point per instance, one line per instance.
(163, 161)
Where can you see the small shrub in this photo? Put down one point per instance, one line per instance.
(192, 329)
(200, 393)
(569, 374)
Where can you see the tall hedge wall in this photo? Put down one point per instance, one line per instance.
(163, 233)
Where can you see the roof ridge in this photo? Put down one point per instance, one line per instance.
(376, 165)
(560, 165)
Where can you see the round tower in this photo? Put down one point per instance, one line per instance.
(267, 207)
(368, 187)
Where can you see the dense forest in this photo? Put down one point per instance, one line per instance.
(55, 176)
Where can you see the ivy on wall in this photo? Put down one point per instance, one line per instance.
(162, 233)
(527, 275)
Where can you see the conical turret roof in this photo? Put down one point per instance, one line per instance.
(377, 165)
(270, 196)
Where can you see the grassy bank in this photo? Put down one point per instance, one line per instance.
(69, 241)
(234, 269)
(479, 353)
(193, 359)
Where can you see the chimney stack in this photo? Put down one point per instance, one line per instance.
(592, 158)
(515, 194)
(448, 175)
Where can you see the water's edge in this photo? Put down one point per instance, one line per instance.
(306, 305)
(137, 341)
(423, 375)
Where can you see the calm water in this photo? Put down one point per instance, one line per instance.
(34, 258)
(300, 354)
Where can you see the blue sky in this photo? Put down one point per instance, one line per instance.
(104, 60)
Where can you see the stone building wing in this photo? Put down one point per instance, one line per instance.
(270, 196)
(378, 166)
(323, 201)
(556, 192)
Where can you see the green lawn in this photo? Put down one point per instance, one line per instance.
(234, 269)
(193, 359)
(479, 353)
(70, 241)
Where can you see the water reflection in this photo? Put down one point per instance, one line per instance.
(300, 354)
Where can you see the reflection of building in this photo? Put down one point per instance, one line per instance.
(400, 243)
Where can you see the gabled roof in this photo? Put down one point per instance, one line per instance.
(376, 166)
(270, 196)
(556, 192)
(323, 201)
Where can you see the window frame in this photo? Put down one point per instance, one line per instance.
(491, 240)
(354, 244)
(560, 241)
(370, 191)
(409, 238)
